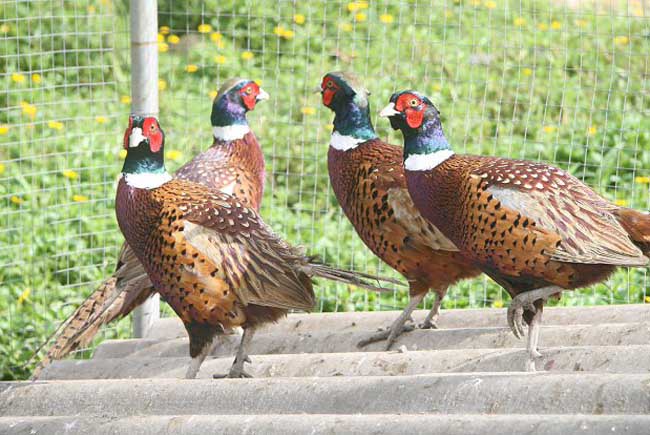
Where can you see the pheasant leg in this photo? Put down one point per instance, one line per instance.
(196, 362)
(526, 301)
(533, 339)
(237, 368)
(397, 328)
(430, 322)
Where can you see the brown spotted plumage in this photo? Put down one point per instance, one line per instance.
(211, 258)
(367, 177)
(233, 166)
(535, 229)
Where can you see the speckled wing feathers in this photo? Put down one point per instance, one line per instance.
(556, 201)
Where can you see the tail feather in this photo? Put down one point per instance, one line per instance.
(359, 279)
(637, 225)
(113, 299)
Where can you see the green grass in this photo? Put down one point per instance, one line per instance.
(526, 80)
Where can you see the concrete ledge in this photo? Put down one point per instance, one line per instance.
(612, 359)
(480, 393)
(323, 341)
(172, 327)
(329, 424)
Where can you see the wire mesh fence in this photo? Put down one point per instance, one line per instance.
(565, 82)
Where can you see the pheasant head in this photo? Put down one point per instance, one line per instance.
(144, 165)
(425, 145)
(234, 99)
(343, 93)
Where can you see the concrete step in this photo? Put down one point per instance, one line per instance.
(171, 327)
(329, 424)
(480, 393)
(324, 341)
(606, 359)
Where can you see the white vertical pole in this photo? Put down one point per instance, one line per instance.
(144, 101)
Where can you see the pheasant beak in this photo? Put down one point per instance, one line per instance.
(263, 95)
(389, 111)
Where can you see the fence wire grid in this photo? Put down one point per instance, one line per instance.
(565, 82)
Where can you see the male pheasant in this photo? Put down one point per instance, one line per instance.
(368, 179)
(212, 259)
(233, 164)
(533, 228)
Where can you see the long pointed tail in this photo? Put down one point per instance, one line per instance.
(637, 225)
(359, 279)
(111, 300)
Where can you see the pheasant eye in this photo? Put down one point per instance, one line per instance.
(330, 84)
(249, 90)
(414, 102)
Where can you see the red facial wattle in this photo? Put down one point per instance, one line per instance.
(249, 95)
(414, 117)
(151, 131)
(328, 96)
(329, 89)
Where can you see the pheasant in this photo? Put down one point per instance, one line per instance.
(367, 176)
(212, 259)
(534, 229)
(234, 164)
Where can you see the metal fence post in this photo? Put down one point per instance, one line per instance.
(144, 101)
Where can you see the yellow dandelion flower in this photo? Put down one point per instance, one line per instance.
(91, 9)
(360, 17)
(642, 180)
(357, 6)
(205, 28)
(18, 78)
(80, 198)
(101, 119)
(163, 47)
(4, 129)
(638, 12)
(173, 155)
(278, 30)
(527, 72)
(386, 18)
(29, 109)
(191, 68)
(247, 55)
(216, 37)
(497, 304)
(436, 87)
(647, 299)
(580, 23)
(591, 131)
(213, 94)
(173, 39)
(161, 37)
(328, 126)
(122, 154)
(490, 4)
(24, 295)
(475, 3)
(289, 34)
(162, 84)
(258, 82)
(449, 13)
(621, 202)
(346, 27)
(543, 27)
(55, 125)
(164, 30)
(219, 59)
(70, 174)
(549, 129)
(2, 168)
(16, 200)
(299, 19)
(5, 28)
(556, 25)
(519, 22)
(308, 111)
(36, 78)
(125, 99)
(621, 40)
